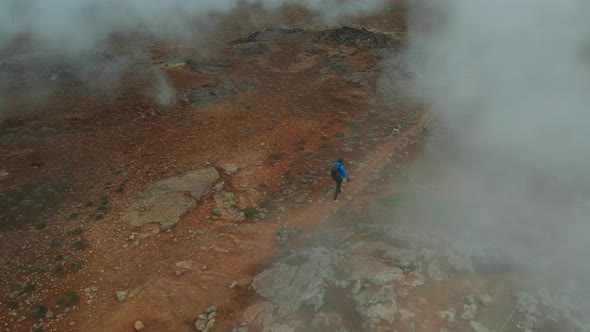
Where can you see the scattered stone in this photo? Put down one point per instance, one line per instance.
(138, 326)
(206, 320)
(448, 315)
(376, 305)
(234, 285)
(484, 299)
(49, 314)
(122, 295)
(300, 199)
(179, 272)
(261, 215)
(285, 233)
(230, 169)
(478, 327)
(469, 311)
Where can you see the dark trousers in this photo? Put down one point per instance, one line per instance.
(338, 187)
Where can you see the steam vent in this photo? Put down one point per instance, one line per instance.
(294, 166)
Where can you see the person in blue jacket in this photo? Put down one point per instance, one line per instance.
(338, 174)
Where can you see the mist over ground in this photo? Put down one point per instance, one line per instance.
(508, 174)
(81, 24)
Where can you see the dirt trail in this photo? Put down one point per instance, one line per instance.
(361, 177)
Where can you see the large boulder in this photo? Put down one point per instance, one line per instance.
(166, 201)
(301, 279)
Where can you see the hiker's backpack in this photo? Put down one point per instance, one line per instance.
(335, 173)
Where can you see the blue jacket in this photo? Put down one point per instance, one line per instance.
(342, 170)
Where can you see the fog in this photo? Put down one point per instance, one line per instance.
(507, 168)
(74, 24)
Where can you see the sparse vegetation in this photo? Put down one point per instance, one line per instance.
(250, 212)
(89, 204)
(58, 258)
(119, 190)
(59, 269)
(339, 134)
(80, 244)
(276, 156)
(12, 305)
(263, 185)
(98, 217)
(27, 289)
(67, 299)
(76, 231)
(38, 311)
(74, 215)
(77, 266)
(40, 226)
(56, 242)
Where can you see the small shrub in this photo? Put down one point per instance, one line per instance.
(101, 208)
(76, 231)
(119, 190)
(58, 258)
(59, 269)
(276, 156)
(27, 289)
(40, 226)
(12, 305)
(324, 138)
(263, 185)
(98, 217)
(306, 154)
(74, 215)
(250, 212)
(38, 311)
(56, 242)
(67, 299)
(79, 245)
(38, 329)
(76, 266)
(89, 204)
(339, 134)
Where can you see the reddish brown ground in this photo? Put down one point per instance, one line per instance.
(128, 142)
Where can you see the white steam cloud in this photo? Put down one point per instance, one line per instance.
(510, 81)
(74, 24)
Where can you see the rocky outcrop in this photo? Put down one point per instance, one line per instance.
(166, 201)
(361, 37)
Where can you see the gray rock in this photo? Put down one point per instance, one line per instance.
(478, 327)
(469, 311)
(138, 325)
(211, 309)
(122, 295)
(376, 306)
(262, 215)
(300, 199)
(298, 280)
(168, 200)
(230, 169)
(49, 314)
(485, 300)
(201, 324)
